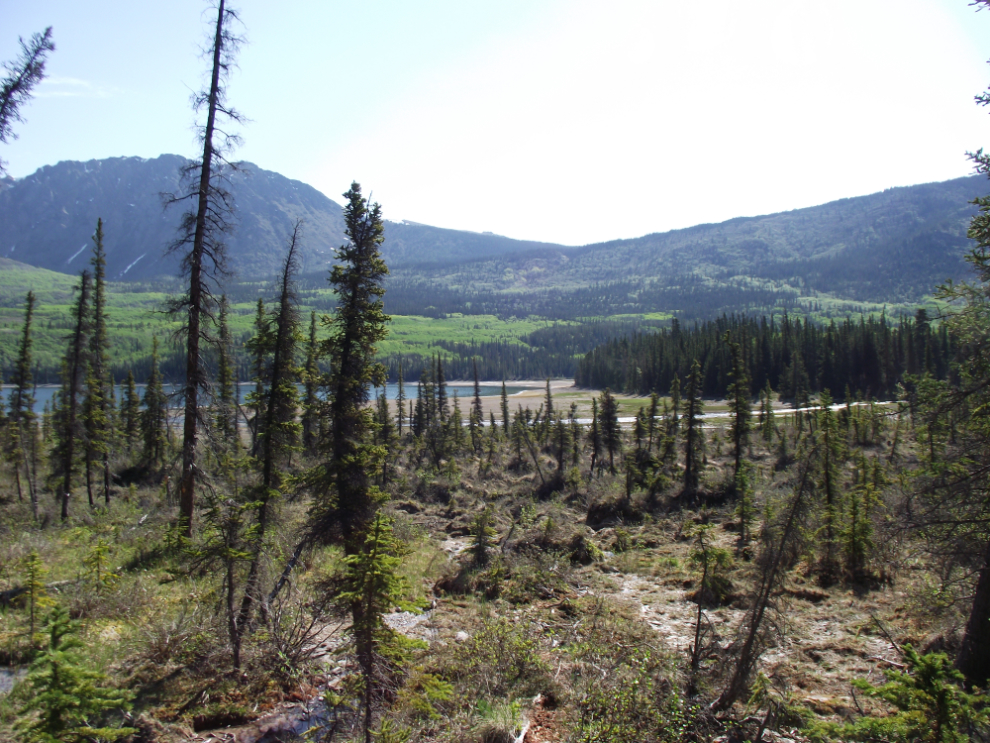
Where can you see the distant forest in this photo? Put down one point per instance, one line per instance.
(864, 358)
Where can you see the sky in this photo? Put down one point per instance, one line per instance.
(566, 121)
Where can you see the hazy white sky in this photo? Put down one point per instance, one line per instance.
(570, 121)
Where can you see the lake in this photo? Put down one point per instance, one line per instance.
(44, 393)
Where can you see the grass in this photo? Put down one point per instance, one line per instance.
(134, 317)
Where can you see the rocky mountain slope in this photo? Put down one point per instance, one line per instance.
(47, 219)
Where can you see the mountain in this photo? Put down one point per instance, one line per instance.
(893, 246)
(47, 219)
(889, 247)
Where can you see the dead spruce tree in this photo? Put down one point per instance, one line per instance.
(200, 243)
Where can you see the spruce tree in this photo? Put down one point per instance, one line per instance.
(595, 438)
(400, 401)
(386, 435)
(455, 426)
(651, 424)
(66, 699)
(745, 506)
(70, 430)
(130, 411)
(693, 435)
(154, 418)
(479, 413)
(739, 405)
(259, 346)
(23, 75)
(98, 410)
(441, 390)
(311, 384)
(21, 421)
(547, 413)
(347, 501)
(675, 403)
(768, 427)
(830, 454)
(482, 535)
(857, 534)
(609, 424)
(505, 410)
(36, 596)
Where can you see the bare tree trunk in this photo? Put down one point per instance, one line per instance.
(196, 297)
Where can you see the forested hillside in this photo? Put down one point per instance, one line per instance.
(889, 247)
(884, 248)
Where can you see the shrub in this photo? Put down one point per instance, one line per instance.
(632, 702)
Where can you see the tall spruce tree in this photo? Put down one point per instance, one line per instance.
(259, 345)
(739, 405)
(693, 435)
(98, 410)
(400, 400)
(443, 408)
(830, 455)
(595, 438)
(70, 430)
(21, 420)
(130, 412)
(504, 404)
(311, 386)
(200, 244)
(476, 406)
(347, 502)
(611, 434)
(154, 418)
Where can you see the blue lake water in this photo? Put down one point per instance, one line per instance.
(44, 394)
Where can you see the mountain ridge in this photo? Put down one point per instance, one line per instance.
(894, 245)
(48, 217)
